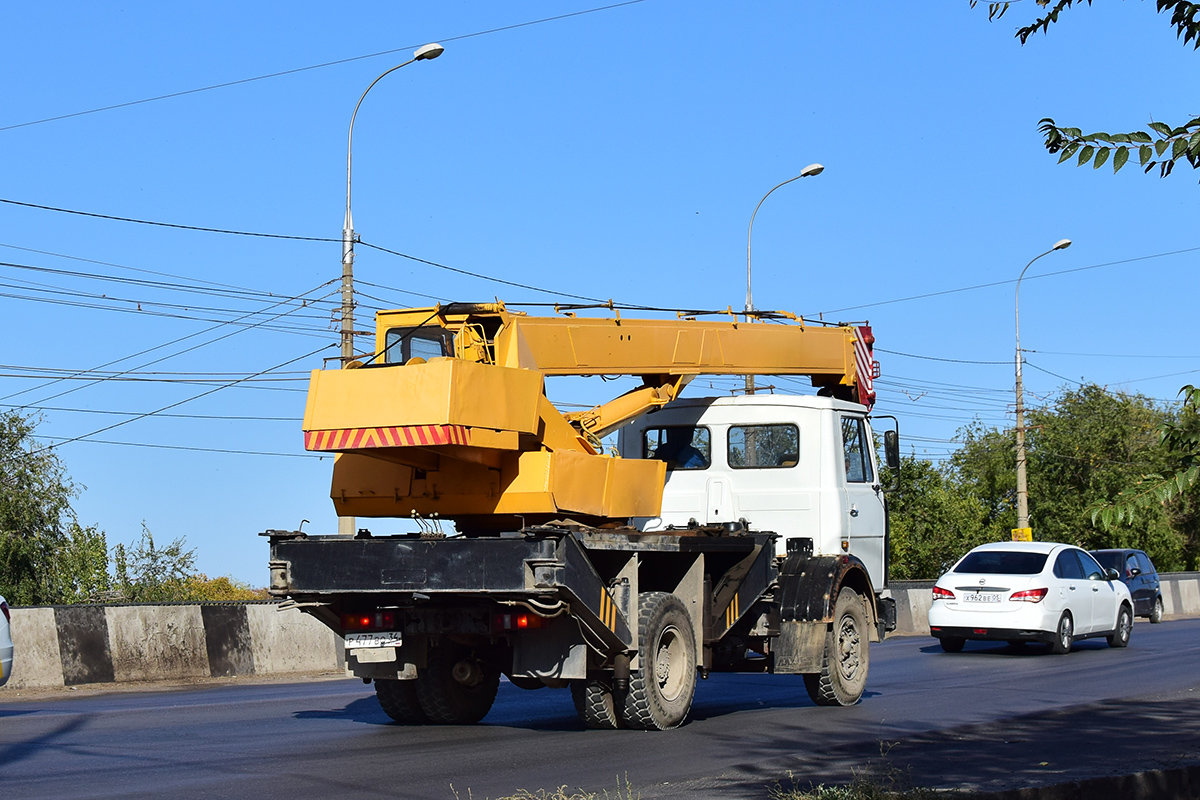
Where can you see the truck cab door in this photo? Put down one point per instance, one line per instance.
(864, 501)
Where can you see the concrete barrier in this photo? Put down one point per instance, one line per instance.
(73, 645)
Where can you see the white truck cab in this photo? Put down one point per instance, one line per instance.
(803, 467)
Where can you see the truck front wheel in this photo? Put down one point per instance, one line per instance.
(457, 685)
(661, 689)
(843, 674)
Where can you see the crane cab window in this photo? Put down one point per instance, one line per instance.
(763, 446)
(402, 344)
(681, 446)
(858, 457)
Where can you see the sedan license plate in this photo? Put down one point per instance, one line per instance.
(361, 640)
(982, 597)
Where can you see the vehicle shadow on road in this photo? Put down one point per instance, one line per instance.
(553, 709)
(19, 751)
(1027, 649)
(1111, 738)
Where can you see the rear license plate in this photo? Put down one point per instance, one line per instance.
(982, 597)
(360, 640)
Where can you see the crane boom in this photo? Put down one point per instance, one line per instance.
(452, 419)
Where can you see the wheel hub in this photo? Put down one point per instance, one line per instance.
(849, 648)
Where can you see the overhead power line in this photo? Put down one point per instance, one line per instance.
(166, 224)
(167, 344)
(935, 358)
(297, 70)
(480, 275)
(63, 440)
(233, 290)
(168, 407)
(1006, 282)
(106, 412)
(435, 264)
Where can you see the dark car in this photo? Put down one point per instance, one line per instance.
(1138, 573)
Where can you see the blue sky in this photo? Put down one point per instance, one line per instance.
(612, 154)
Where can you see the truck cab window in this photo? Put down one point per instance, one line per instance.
(402, 344)
(681, 446)
(858, 459)
(763, 446)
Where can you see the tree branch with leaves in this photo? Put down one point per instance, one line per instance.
(1160, 145)
(1180, 436)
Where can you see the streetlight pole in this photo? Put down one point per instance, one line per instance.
(423, 53)
(810, 170)
(1022, 489)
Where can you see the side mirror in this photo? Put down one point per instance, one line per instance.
(1133, 573)
(1111, 575)
(891, 449)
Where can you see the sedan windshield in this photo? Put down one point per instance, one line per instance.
(1002, 562)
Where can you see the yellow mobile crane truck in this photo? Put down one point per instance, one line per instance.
(731, 534)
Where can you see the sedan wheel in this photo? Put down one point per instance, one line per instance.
(1064, 637)
(1156, 612)
(1120, 637)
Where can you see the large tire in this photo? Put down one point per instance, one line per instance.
(843, 675)
(952, 644)
(1120, 636)
(1064, 635)
(596, 704)
(457, 686)
(660, 692)
(399, 701)
(1156, 613)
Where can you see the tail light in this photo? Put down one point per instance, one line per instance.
(942, 594)
(4, 608)
(379, 620)
(1030, 595)
(518, 621)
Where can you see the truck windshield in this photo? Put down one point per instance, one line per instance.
(402, 344)
(1002, 562)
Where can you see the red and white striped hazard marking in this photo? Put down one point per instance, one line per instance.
(866, 366)
(404, 436)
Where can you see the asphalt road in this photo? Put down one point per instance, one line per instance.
(990, 717)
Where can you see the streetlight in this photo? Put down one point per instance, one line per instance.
(423, 53)
(1022, 490)
(811, 169)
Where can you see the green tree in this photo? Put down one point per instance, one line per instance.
(1170, 491)
(1083, 449)
(934, 520)
(80, 567)
(147, 573)
(1159, 145)
(45, 555)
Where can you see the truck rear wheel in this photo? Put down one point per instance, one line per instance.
(660, 692)
(595, 704)
(843, 674)
(457, 685)
(398, 699)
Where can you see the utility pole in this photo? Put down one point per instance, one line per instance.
(346, 525)
(1022, 488)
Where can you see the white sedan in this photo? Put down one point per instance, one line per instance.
(6, 644)
(1029, 592)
